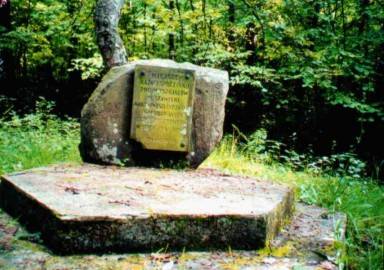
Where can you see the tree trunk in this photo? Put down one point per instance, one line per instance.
(5, 14)
(195, 30)
(6, 59)
(107, 15)
(251, 43)
(154, 45)
(145, 29)
(343, 23)
(364, 25)
(203, 10)
(364, 4)
(252, 34)
(230, 26)
(171, 51)
(181, 23)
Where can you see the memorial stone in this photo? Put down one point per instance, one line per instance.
(154, 113)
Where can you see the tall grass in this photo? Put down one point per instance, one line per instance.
(361, 199)
(37, 139)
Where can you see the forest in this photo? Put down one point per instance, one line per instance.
(306, 89)
(310, 73)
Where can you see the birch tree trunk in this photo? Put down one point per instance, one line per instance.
(107, 15)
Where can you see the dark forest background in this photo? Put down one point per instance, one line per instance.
(309, 73)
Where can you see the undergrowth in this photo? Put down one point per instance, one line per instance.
(37, 139)
(361, 199)
(41, 138)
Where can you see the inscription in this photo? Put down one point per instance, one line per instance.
(162, 107)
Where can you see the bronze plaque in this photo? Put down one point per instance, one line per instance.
(162, 107)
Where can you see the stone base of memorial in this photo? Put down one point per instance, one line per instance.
(90, 208)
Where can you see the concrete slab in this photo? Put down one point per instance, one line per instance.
(87, 208)
(291, 250)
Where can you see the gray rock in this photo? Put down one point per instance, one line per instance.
(106, 118)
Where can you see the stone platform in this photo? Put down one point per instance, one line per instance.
(89, 208)
(312, 241)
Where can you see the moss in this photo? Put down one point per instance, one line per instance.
(334, 249)
(237, 261)
(280, 217)
(287, 250)
(27, 245)
(283, 251)
(6, 220)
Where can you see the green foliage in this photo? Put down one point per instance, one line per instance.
(90, 68)
(49, 34)
(291, 62)
(37, 139)
(330, 48)
(362, 199)
(341, 165)
(257, 146)
(363, 203)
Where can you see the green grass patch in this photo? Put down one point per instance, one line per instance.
(37, 139)
(361, 199)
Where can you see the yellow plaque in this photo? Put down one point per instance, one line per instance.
(162, 107)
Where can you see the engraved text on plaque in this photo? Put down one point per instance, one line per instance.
(162, 107)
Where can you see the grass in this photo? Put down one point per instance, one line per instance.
(361, 199)
(41, 138)
(37, 139)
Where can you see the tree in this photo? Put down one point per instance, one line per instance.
(107, 15)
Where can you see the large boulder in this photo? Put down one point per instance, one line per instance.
(106, 119)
